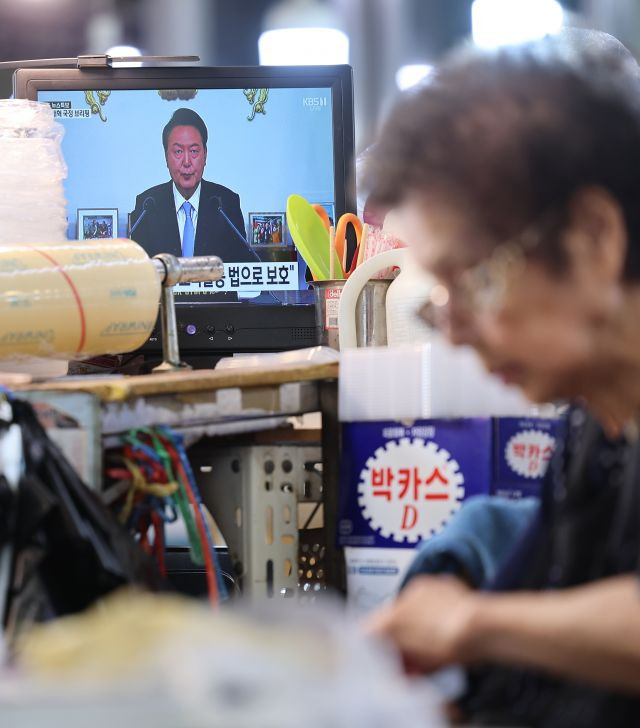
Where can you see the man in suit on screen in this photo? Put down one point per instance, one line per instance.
(185, 215)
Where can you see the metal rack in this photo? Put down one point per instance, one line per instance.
(254, 491)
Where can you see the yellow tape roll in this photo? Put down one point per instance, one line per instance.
(76, 299)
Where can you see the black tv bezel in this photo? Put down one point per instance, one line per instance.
(28, 82)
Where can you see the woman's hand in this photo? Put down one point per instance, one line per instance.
(430, 623)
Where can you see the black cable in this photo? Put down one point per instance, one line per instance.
(313, 513)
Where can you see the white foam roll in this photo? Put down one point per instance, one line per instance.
(76, 299)
(33, 158)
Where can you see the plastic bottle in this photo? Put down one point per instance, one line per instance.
(407, 293)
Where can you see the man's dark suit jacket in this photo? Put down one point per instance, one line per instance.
(158, 232)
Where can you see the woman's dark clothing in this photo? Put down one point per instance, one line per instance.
(588, 528)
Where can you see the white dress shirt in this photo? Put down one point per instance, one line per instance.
(179, 201)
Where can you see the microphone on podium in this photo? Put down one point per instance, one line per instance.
(265, 297)
(148, 205)
(220, 210)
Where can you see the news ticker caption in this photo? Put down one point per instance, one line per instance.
(248, 277)
(64, 110)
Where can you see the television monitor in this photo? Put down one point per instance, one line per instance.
(271, 132)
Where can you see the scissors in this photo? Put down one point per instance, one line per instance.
(341, 237)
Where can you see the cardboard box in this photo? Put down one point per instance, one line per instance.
(374, 576)
(401, 483)
(522, 448)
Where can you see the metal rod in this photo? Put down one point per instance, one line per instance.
(205, 267)
(97, 60)
(170, 347)
(172, 270)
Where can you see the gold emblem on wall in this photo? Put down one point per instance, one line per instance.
(257, 104)
(177, 94)
(96, 100)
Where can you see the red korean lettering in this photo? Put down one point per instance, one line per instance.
(409, 517)
(409, 478)
(381, 481)
(436, 477)
(520, 450)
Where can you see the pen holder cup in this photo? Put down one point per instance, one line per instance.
(371, 312)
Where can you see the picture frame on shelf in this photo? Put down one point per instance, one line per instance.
(97, 223)
(267, 228)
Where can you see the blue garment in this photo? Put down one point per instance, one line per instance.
(189, 235)
(477, 540)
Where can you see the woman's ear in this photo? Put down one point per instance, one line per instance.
(596, 238)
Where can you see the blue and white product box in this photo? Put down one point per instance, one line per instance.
(523, 447)
(374, 576)
(400, 484)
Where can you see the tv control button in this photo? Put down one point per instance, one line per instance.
(229, 329)
(191, 329)
(211, 329)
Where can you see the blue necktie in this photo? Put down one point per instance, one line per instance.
(188, 234)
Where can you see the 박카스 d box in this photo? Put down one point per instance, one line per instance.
(400, 484)
(522, 449)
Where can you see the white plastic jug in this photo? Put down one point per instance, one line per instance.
(405, 296)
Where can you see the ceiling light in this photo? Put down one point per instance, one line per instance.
(302, 32)
(303, 46)
(506, 22)
(412, 74)
(124, 51)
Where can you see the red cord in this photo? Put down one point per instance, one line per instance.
(212, 584)
(158, 473)
(78, 299)
(158, 542)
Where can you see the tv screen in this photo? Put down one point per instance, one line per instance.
(196, 161)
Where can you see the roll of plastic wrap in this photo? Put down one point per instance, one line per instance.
(75, 299)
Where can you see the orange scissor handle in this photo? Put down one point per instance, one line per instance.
(324, 216)
(341, 235)
(341, 240)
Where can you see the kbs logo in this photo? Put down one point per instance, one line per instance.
(315, 102)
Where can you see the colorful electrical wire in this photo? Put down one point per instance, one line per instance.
(154, 463)
(176, 442)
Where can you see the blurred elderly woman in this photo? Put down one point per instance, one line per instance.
(518, 176)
